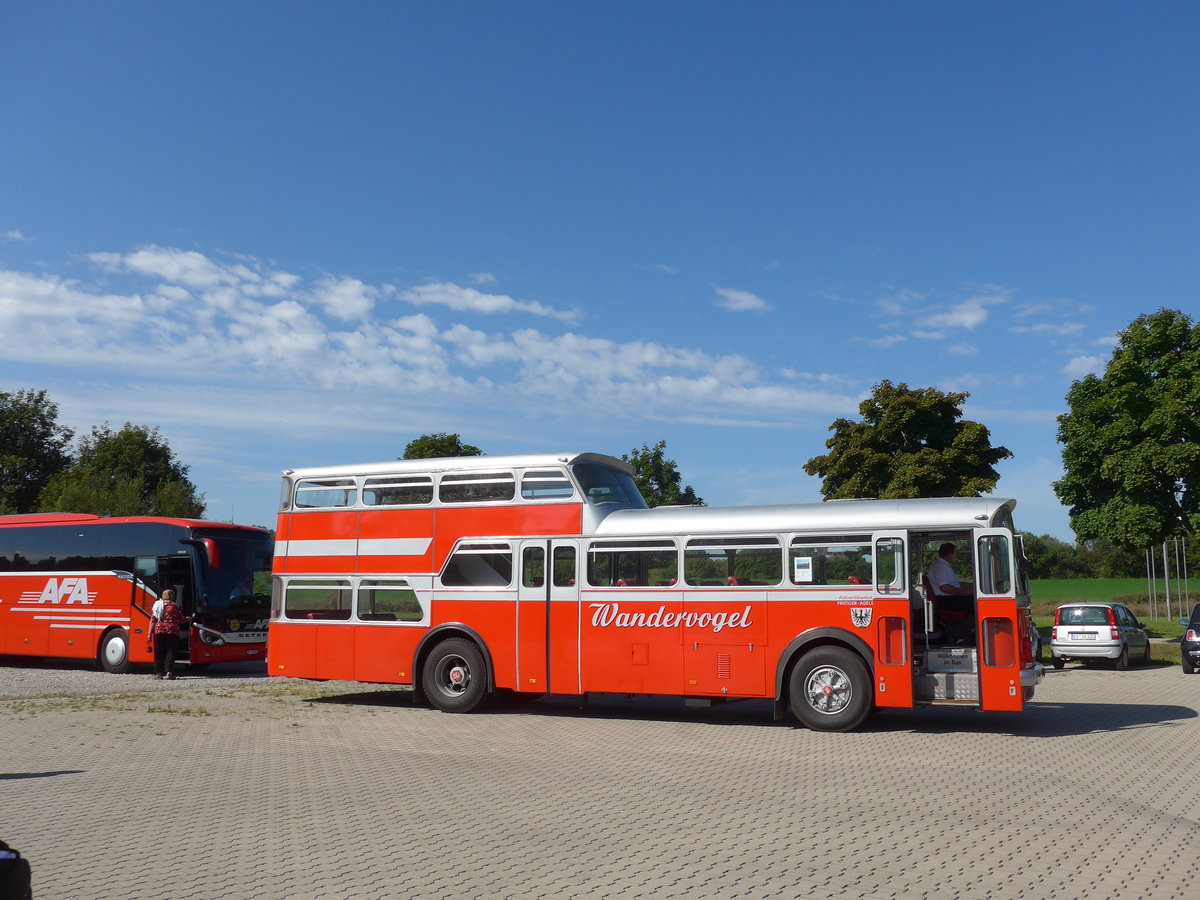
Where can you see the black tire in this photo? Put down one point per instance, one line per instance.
(830, 690)
(113, 654)
(1037, 652)
(1122, 661)
(1057, 661)
(1146, 654)
(454, 676)
(1188, 666)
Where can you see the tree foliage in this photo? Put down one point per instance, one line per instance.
(658, 478)
(33, 448)
(910, 443)
(131, 472)
(1131, 437)
(437, 445)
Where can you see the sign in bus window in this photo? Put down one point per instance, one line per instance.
(398, 490)
(994, 569)
(889, 566)
(311, 598)
(325, 493)
(383, 600)
(546, 484)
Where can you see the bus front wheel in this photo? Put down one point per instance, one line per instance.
(830, 690)
(454, 676)
(114, 652)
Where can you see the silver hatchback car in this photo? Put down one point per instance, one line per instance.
(1087, 631)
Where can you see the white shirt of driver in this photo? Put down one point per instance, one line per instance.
(941, 572)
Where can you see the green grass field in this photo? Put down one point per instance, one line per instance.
(1049, 594)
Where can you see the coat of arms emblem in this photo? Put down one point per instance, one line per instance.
(860, 616)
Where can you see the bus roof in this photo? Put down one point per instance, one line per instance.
(836, 516)
(38, 519)
(459, 463)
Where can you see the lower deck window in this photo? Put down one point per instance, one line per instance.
(326, 598)
(381, 600)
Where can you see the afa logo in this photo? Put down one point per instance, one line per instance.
(62, 590)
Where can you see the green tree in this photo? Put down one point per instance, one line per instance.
(33, 448)
(1131, 438)
(1051, 557)
(131, 472)
(658, 478)
(437, 445)
(910, 443)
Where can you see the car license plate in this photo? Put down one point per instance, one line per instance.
(1083, 636)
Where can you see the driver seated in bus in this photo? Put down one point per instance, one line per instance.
(952, 596)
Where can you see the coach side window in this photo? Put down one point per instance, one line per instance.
(632, 563)
(397, 490)
(832, 560)
(388, 600)
(479, 565)
(733, 561)
(317, 598)
(546, 484)
(324, 493)
(477, 487)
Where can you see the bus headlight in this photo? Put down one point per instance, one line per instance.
(210, 637)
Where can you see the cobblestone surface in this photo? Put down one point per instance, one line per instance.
(230, 785)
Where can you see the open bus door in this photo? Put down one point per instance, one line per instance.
(998, 621)
(890, 617)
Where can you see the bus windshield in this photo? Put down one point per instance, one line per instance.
(601, 484)
(242, 577)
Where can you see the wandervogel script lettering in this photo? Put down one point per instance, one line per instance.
(606, 615)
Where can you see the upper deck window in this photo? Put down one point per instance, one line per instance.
(477, 487)
(324, 493)
(546, 484)
(604, 485)
(398, 490)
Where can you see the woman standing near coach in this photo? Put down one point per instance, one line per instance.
(166, 621)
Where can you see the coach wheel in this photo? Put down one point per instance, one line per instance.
(114, 652)
(1122, 662)
(830, 690)
(454, 676)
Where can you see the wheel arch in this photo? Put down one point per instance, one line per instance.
(824, 636)
(435, 636)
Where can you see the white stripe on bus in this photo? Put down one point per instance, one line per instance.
(352, 547)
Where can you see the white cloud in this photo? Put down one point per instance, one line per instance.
(1080, 366)
(741, 301)
(482, 278)
(668, 270)
(969, 314)
(465, 299)
(1061, 329)
(962, 350)
(15, 235)
(345, 298)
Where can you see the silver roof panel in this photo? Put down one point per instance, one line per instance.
(458, 464)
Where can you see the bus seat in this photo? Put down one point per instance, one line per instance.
(945, 616)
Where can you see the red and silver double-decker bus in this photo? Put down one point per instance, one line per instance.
(548, 574)
(82, 586)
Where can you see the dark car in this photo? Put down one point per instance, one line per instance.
(1189, 645)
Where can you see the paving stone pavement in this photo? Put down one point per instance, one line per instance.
(239, 786)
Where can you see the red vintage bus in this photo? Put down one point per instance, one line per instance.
(548, 574)
(81, 586)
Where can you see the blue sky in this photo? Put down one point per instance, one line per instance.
(290, 234)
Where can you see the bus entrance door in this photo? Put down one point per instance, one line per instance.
(889, 621)
(999, 635)
(548, 606)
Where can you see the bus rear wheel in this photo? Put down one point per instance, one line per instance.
(454, 676)
(830, 690)
(114, 652)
